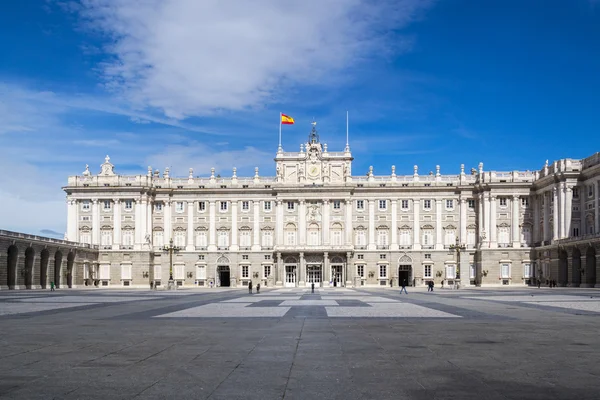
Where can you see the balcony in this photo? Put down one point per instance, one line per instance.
(405, 246)
(201, 248)
(428, 247)
(106, 247)
(246, 248)
(223, 248)
(504, 245)
(267, 248)
(382, 247)
(360, 247)
(125, 247)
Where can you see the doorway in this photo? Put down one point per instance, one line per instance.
(336, 275)
(405, 273)
(290, 276)
(313, 275)
(223, 276)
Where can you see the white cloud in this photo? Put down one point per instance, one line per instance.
(190, 57)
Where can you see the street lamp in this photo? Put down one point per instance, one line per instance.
(457, 247)
(171, 249)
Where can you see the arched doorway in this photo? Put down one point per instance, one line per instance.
(28, 272)
(70, 262)
(563, 268)
(11, 274)
(223, 276)
(590, 267)
(291, 268)
(405, 270)
(44, 257)
(576, 268)
(337, 271)
(57, 266)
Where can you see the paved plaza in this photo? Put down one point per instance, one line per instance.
(293, 344)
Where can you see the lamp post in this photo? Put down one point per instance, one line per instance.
(457, 248)
(171, 249)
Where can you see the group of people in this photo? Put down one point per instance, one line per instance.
(250, 287)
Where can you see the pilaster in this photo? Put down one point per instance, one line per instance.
(348, 211)
(168, 234)
(302, 222)
(516, 237)
(562, 191)
(302, 273)
(279, 223)
(95, 222)
(439, 244)
(493, 227)
(416, 224)
(556, 217)
(546, 222)
(394, 230)
(279, 281)
(190, 227)
(234, 226)
(326, 222)
(256, 230)
(372, 245)
(597, 208)
(116, 224)
(463, 220)
(569, 210)
(212, 226)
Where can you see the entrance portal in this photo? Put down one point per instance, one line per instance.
(336, 275)
(223, 276)
(313, 275)
(405, 273)
(290, 276)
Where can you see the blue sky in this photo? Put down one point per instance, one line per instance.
(183, 83)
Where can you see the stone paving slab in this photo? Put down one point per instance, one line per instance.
(537, 298)
(309, 303)
(386, 310)
(257, 298)
(227, 310)
(83, 299)
(572, 305)
(23, 308)
(367, 298)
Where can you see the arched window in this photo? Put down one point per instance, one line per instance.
(336, 234)
(404, 236)
(85, 235)
(106, 236)
(382, 236)
(314, 235)
(360, 236)
(127, 236)
(267, 237)
(290, 234)
(245, 236)
(201, 237)
(503, 235)
(179, 237)
(222, 238)
(427, 235)
(450, 235)
(158, 237)
(526, 234)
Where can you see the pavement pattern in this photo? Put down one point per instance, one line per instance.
(336, 343)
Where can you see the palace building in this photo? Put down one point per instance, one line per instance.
(315, 222)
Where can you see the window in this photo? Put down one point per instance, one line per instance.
(576, 232)
(527, 270)
(382, 204)
(428, 256)
(427, 237)
(106, 204)
(427, 271)
(267, 256)
(245, 271)
(383, 271)
(313, 237)
(360, 204)
(223, 206)
(471, 203)
(179, 206)
(505, 271)
(290, 206)
(450, 237)
(201, 257)
(128, 205)
(223, 239)
(86, 218)
(361, 238)
(85, 205)
(245, 238)
(337, 204)
(590, 190)
(245, 205)
(85, 237)
(427, 204)
(404, 204)
(404, 237)
(179, 239)
(503, 235)
(158, 239)
(382, 256)
(575, 192)
(158, 207)
(449, 204)
(524, 202)
(106, 237)
(127, 237)
(360, 270)
(267, 206)
(201, 239)
(382, 237)
(267, 271)
(267, 239)
(526, 234)
(201, 206)
(451, 271)
(336, 237)
(471, 236)
(126, 271)
(290, 238)
(472, 271)
(360, 257)
(502, 201)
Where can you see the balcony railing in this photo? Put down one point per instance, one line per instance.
(200, 247)
(382, 247)
(223, 248)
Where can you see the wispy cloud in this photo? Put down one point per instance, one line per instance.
(189, 57)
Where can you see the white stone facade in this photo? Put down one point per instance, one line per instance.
(315, 222)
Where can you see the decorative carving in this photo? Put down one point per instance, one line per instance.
(313, 259)
(87, 171)
(405, 259)
(107, 169)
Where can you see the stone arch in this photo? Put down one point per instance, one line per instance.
(290, 260)
(223, 260)
(576, 267)
(590, 266)
(58, 258)
(336, 226)
(563, 267)
(44, 258)
(290, 226)
(12, 261)
(70, 263)
(28, 271)
(405, 259)
(337, 260)
(427, 226)
(450, 227)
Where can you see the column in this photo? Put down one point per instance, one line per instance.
(326, 269)
(582, 221)
(562, 190)
(190, 227)
(280, 275)
(168, 227)
(516, 237)
(149, 224)
(493, 227)
(234, 226)
(555, 213)
(416, 224)
(302, 272)
(138, 224)
(480, 219)
(348, 210)
(439, 244)
(486, 217)
(256, 229)
(394, 232)
(535, 200)
(569, 210)
(349, 270)
(326, 222)
(116, 224)
(302, 222)
(546, 204)
(463, 220)
(372, 245)
(95, 223)
(72, 220)
(279, 223)
(597, 208)
(212, 226)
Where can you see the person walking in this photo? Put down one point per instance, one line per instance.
(403, 287)
(52, 286)
(257, 288)
(250, 287)
(431, 285)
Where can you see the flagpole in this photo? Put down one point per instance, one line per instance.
(279, 148)
(347, 142)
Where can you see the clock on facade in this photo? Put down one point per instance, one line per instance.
(313, 170)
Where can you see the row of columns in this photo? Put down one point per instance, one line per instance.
(488, 220)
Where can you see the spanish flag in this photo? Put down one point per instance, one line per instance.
(286, 120)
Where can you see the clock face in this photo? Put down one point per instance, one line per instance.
(313, 170)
